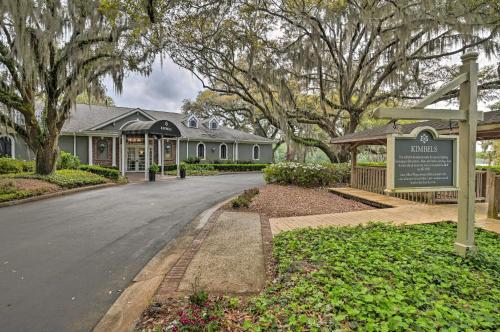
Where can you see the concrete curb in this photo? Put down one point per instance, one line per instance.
(58, 193)
(127, 309)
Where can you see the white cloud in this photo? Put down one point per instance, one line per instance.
(163, 90)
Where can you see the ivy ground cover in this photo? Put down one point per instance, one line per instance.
(380, 278)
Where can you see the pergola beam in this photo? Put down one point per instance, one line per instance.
(419, 114)
(442, 91)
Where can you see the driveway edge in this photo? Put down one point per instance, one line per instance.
(127, 309)
(58, 193)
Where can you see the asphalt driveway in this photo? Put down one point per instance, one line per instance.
(64, 261)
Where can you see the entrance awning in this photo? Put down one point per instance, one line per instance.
(159, 127)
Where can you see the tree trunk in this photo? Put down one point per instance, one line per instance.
(46, 157)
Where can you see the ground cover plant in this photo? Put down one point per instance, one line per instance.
(380, 277)
(307, 175)
(12, 189)
(245, 198)
(67, 178)
(10, 166)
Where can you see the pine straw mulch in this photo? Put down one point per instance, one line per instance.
(34, 185)
(275, 201)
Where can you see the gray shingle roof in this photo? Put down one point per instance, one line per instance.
(85, 117)
(380, 133)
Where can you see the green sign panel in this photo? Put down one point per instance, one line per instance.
(422, 160)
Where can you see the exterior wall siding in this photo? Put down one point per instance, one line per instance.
(82, 148)
(244, 151)
(66, 144)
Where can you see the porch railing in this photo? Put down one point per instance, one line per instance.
(373, 179)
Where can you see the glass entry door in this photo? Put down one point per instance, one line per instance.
(136, 159)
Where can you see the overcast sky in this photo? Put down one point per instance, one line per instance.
(168, 85)
(163, 90)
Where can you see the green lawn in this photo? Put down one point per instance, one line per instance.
(380, 278)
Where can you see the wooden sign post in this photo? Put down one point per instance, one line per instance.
(467, 116)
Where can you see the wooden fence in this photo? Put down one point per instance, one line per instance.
(373, 179)
(493, 194)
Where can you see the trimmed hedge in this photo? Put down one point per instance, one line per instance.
(307, 175)
(109, 173)
(493, 168)
(220, 167)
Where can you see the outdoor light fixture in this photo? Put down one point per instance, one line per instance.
(102, 146)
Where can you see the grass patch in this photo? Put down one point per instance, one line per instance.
(380, 277)
(67, 178)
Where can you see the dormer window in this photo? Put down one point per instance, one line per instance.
(193, 122)
(213, 124)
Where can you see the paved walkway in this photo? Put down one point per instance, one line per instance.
(409, 213)
(381, 201)
(227, 259)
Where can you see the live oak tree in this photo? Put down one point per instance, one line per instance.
(53, 51)
(347, 56)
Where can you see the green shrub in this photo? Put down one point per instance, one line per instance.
(192, 160)
(307, 175)
(107, 172)
(493, 168)
(9, 165)
(154, 168)
(67, 161)
(68, 178)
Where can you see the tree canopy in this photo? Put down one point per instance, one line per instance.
(324, 64)
(53, 51)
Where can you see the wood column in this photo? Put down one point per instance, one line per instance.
(91, 153)
(146, 156)
(354, 160)
(492, 194)
(467, 157)
(113, 158)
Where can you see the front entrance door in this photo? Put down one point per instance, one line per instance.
(136, 159)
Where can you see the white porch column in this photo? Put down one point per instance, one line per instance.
(187, 148)
(162, 155)
(74, 144)
(113, 158)
(122, 161)
(91, 154)
(146, 156)
(237, 154)
(160, 161)
(177, 156)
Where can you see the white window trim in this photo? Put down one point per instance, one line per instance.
(220, 151)
(204, 151)
(253, 154)
(210, 124)
(189, 120)
(12, 145)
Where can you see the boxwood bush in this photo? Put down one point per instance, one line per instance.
(107, 172)
(67, 161)
(307, 175)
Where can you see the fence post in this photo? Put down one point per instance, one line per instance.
(492, 194)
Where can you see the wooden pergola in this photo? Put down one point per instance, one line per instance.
(373, 178)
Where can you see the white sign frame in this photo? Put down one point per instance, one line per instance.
(391, 160)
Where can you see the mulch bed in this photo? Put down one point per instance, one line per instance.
(36, 185)
(276, 201)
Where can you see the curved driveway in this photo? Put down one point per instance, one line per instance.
(63, 261)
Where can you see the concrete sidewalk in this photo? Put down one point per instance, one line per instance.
(227, 259)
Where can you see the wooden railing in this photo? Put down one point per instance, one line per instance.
(373, 179)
